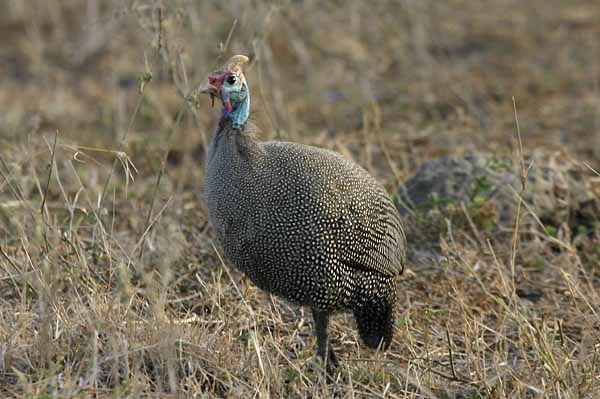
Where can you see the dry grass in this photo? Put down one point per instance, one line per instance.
(110, 283)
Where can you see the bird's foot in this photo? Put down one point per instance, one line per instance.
(332, 358)
(331, 366)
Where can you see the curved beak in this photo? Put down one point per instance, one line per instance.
(208, 88)
(212, 85)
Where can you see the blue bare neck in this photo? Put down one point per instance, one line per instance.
(240, 108)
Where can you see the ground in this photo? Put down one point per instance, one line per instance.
(112, 286)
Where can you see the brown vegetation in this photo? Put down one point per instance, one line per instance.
(110, 284)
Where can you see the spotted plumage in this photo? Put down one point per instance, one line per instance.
(303, 223)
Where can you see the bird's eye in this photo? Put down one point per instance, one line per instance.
(231, 79)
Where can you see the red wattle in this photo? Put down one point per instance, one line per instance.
(227, 105)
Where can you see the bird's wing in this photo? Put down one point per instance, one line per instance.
(370, 236)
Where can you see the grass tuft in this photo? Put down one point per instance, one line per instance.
(111, 284)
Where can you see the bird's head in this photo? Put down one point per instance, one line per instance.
(229, 84)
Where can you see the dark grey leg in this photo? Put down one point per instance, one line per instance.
(324, 350)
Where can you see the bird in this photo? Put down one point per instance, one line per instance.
(301, 222)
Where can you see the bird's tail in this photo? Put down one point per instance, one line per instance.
(375, 323)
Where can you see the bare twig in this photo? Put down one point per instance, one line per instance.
(450, 354)
(43, 210)
(523, 175)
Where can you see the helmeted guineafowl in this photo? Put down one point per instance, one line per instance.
(301, 222)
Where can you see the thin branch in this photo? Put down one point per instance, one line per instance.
(451, 355)
(44, 212)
